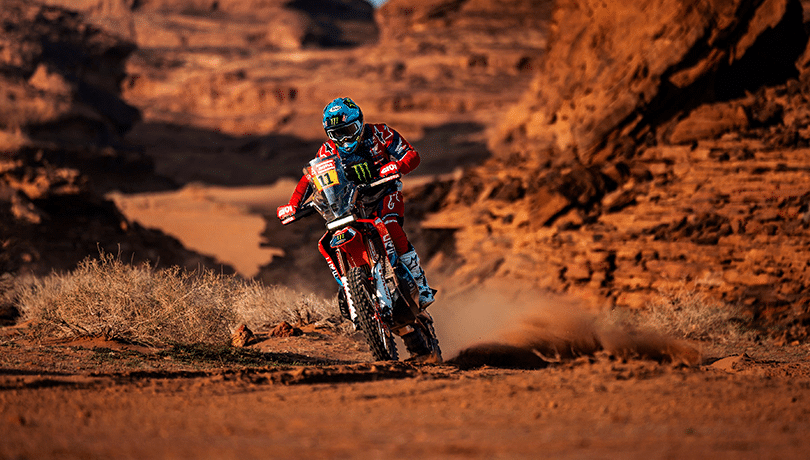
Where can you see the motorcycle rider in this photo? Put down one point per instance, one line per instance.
(369, 152)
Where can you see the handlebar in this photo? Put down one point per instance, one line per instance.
(380, 181)
(300, 214)
(307, 209)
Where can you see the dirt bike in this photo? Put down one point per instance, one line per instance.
(380, 292)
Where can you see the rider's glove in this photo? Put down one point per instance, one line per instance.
(389, 169)
(286, 211)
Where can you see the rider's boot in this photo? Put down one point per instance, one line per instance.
(411, 260)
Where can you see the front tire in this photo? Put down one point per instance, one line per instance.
(378, 335)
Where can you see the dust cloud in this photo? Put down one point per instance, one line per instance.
(503, 325)
(480, 314)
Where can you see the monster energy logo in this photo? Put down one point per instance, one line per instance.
(362, 171)
(333, 120)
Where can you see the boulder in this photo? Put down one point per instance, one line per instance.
(62, 78)
(285, 329)
(709, 121)
(242, 336)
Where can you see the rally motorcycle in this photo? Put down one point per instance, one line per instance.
(379, 290)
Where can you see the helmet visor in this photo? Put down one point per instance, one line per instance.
(345, 132)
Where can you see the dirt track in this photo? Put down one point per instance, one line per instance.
(101, 400)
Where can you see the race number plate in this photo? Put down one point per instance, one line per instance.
(324, 175)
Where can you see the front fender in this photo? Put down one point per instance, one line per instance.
(350, 242)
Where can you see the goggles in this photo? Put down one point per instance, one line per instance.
(345, 132)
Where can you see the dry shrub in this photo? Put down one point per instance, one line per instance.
(263, 306)
(686, 312)
(107, 297)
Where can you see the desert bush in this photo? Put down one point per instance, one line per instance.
(261, 306)
(106, 297)
(686, 312)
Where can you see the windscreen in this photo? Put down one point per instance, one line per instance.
(333, 191)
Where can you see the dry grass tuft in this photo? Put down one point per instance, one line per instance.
(106, 297)
(687, 313)
(261, 306)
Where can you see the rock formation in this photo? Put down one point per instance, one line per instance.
(61, 127)
(232, 24)
(662, 145)
(619, 71)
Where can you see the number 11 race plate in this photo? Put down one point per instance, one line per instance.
(325, 174)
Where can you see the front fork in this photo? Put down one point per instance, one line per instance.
(382, 297)
(349, 300)
(383, 294)
(349, 250)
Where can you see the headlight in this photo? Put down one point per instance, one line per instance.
(342, 222)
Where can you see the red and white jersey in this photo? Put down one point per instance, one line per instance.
(379, 146)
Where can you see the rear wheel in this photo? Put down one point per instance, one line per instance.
(432, 339)
(422, 342)
(378, 335)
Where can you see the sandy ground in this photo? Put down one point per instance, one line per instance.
(104, 401)
(318, 396)
(222, 222)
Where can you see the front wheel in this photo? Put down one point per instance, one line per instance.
(377, 333)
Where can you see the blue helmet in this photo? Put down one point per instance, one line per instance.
(343, 123)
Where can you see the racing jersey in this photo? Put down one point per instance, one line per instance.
(379, 146)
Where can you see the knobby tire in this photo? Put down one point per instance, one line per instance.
(378, 336)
